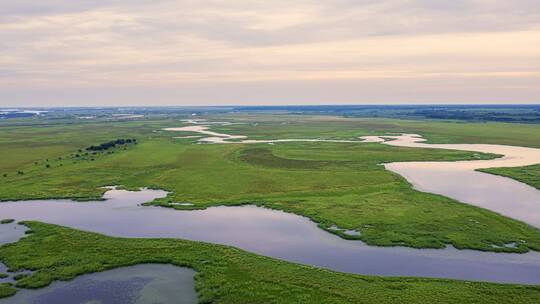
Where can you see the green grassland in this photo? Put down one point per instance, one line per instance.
(229, 275)
(528, 174)
(24, 145)
(35, 140)
(340, 184)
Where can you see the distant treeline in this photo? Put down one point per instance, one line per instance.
(16, 115)
(112, 144)
(482, 115)
(473, 113)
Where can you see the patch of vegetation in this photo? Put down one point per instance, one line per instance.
(20, 276)
(229, 275)
(529, 174)
(3, 275)
(264, 157)
(7, 290)
(7, 221)
(112, 144)
(22, 145)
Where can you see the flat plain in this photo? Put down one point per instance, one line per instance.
(333, 184)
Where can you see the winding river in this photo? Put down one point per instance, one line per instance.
(461, 181)
(272, 233)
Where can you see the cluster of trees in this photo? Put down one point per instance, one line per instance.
(112, 144)
(477, 113)
(481, 115)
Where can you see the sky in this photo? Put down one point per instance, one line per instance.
(229, 52)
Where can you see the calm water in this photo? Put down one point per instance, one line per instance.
(460, 181)
(273, 233)
(11, 232)
(139, 284)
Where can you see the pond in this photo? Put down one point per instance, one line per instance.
(11, 232)
(139, 284)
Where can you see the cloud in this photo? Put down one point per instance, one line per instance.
(63, 46)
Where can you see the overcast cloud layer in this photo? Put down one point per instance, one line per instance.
(63, 52)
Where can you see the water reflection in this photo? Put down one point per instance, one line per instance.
(460, 181)
(139, 284)
(11, 232)
(273, 233)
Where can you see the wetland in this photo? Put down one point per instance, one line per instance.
(269, 202)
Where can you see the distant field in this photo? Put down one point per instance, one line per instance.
(24, 145)
(58, 138)
(229, 275)
(297, 126)
(331, 183)
(469, 113)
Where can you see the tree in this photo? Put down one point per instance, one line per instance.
(111, 144)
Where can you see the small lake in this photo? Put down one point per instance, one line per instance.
(139, 284)
(272, 233)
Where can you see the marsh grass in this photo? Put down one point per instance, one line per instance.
(7, 290)
(528, 174)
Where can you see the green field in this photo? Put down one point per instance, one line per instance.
(229, 275)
